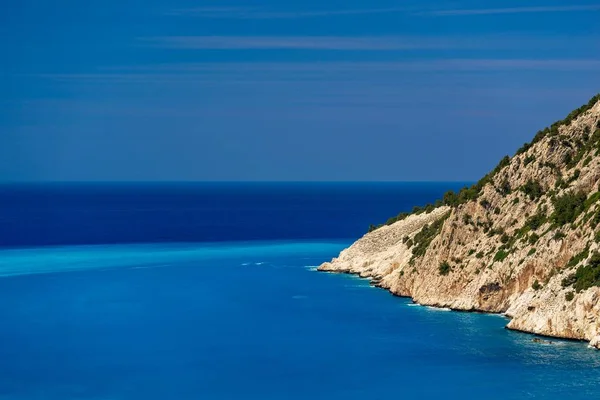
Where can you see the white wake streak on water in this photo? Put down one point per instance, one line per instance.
(438, 308)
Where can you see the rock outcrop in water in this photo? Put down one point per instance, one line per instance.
(524, 241)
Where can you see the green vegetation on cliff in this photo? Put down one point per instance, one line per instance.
(425, 236)
(553, 129)
(568, 207)
(532, 189)
(586, 276)
(444, 268)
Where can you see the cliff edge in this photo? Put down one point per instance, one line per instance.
(524, 240)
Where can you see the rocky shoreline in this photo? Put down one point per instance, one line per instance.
(537, 337)
(525, 242)
(376, 281)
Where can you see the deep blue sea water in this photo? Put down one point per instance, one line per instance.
(34, 215)
(209, 292)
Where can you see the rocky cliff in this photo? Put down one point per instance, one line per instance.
(524, 241)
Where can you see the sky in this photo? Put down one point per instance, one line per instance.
(352, 90)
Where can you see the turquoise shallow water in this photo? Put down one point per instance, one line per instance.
(26, 261)
(252, 321)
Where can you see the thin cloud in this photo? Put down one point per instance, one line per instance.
(360, 66)
(256, 13)
(348, 43)
(518, 64)
(511, 10)
(246, 72)
(294, 42)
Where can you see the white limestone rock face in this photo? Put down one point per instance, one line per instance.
(381, 252)
(595, 342)
(502, 260)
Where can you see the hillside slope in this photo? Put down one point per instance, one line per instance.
(524, 241)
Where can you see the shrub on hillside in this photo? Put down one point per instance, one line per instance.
(536, 221)
(569, 296)
(567, 208)
(500, 255)
(588, 275)
(444, 268)
(425, 236)
(532, 189)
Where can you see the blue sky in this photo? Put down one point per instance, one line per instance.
(296, 90)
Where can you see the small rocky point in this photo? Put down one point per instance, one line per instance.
(524, 241)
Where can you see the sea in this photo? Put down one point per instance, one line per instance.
(210, 291)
